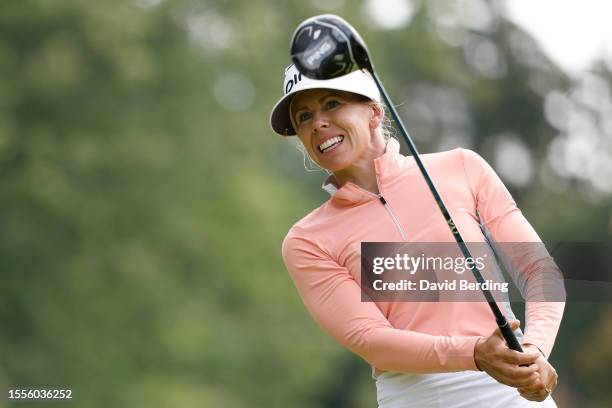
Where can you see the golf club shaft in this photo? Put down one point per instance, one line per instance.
(502, 323)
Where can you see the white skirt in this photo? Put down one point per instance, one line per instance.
(470, 389)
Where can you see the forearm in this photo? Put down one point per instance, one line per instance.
(404, 351)
(543, 321)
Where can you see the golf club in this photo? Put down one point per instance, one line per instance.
(326, 47)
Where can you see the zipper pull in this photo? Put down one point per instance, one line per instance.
(382, 199)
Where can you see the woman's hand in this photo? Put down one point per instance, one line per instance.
(493, 356)
(547, 378)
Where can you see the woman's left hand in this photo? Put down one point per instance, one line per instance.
(546, 381)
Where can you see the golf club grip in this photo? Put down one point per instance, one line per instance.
(504, 327)
(508, 334)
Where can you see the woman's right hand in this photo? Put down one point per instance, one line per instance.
(493, 356)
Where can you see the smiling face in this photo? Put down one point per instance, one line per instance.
(338, 129)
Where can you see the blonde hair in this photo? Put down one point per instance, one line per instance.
(386, 127)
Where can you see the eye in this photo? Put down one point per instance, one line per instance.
(303, 116)
(332, 103)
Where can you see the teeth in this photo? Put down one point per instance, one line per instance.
(330, 142)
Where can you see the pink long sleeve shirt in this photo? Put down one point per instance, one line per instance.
(322, 254)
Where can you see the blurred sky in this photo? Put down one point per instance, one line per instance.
(573, 33)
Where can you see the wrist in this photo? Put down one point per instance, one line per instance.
(477, 353)
(534, 348)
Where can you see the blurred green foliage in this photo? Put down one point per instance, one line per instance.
(144, 200)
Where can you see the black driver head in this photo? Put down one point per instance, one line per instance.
(326, 47)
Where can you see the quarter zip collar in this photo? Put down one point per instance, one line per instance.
(387, 166)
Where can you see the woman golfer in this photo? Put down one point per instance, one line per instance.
(423, 354)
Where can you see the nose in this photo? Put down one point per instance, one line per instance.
(319, 121)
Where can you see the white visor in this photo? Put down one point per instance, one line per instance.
(359, 82)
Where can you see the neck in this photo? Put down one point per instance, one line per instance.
(364, 176)
(363, 172)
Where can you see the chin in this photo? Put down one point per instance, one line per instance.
(335, 166)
